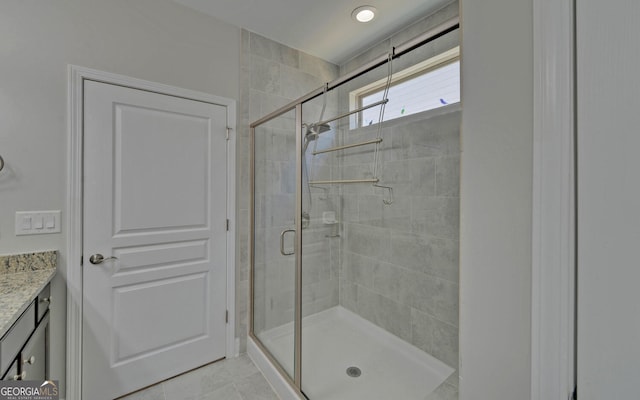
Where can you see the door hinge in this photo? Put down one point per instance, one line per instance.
(227, 225)
(81, 260)
(228, 132)
(574, 395)
(226, 317)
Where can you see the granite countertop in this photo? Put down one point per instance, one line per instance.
(22, 277)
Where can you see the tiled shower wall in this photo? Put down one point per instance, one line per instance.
(400, 261)
(272, 76)
(275, 188)
(400, 265)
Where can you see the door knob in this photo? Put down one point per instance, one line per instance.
(99, 259)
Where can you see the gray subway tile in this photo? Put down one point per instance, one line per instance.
(318, 67)
(435, 337)
(359, 269)
(445, 259)
(315, 268)
(265, 75)
(371, 242)
(423, 177)
(435, 136)
(437, 297)
(370, 208)
(296, 83)
(445, 343)
(273, 50)
(410, 251)
(394, 282)
(349, 295)
(448, 176)
(436, 221)
(445, 301)
(327, 289)
(421, 330)
(384, 312)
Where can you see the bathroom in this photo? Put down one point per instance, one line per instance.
(171, 44)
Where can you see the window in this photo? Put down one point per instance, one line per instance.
(430, 84)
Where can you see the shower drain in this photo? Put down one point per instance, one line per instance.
(354, 372)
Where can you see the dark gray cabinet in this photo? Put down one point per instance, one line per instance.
(12, 373)
(24, 348)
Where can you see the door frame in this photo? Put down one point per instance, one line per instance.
(76, 77)
(553, 269)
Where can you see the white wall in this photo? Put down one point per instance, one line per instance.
(155, 40)
(608, 59)
(496, 199)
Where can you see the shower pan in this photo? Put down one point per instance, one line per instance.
(353, 245)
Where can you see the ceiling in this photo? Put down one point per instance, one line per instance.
(323, 28)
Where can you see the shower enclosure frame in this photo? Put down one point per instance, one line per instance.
(296, 383)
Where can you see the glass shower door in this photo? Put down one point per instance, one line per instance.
(273, 255)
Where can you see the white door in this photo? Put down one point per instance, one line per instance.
(608, 104)
(154, 198)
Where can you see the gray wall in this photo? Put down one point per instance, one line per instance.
(608, 59)
(496, 199)
(149, 39)
(273, 75)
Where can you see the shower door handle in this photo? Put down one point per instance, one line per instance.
(282, 251)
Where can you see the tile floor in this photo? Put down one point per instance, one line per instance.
(234, 379)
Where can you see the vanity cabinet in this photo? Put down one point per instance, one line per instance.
(12, 374)
(24, 348)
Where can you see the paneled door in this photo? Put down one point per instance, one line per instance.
(154, 237)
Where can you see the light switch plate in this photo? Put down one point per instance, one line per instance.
(37, 222)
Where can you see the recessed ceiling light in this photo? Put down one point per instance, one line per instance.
(364, 13)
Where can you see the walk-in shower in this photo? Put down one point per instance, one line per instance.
(354, 233)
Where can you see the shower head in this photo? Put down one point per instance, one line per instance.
(322, 128)
(313, 130)
(312, 133)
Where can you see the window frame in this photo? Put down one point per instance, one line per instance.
(424, 67)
